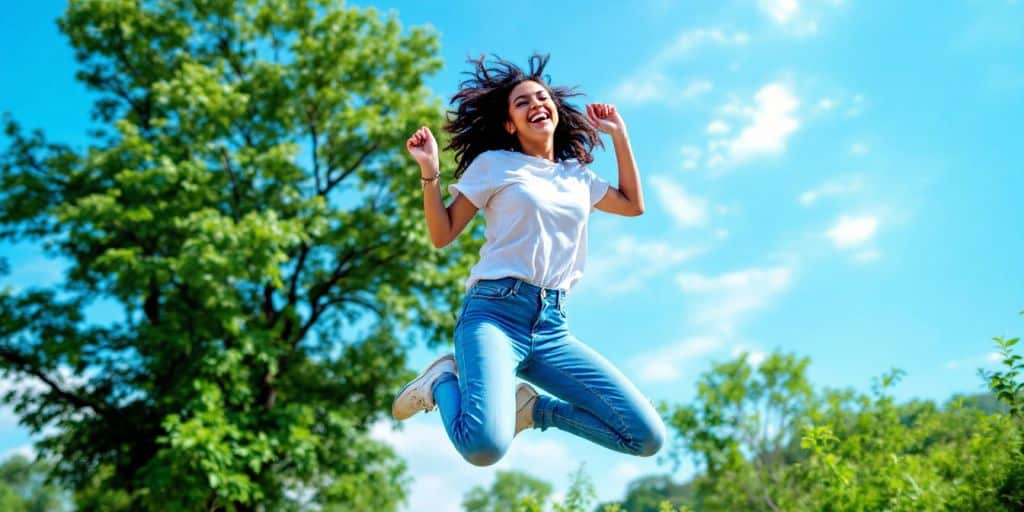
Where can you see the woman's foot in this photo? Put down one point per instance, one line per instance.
(526, 398)
(418, 394)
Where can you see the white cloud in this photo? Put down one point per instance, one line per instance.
(717, 127)
(650, 83)
(782, 11)
(690, 40)
(643, 89)
(725, 300)
(685, 209)
(859, 149)
(665, 363)
(772, 124)
(974, 362)
(26, 450)
(691, 155)
(441, 476)
(754, 357)
(697, 88)
(630, 263)
(766, 126)
(851, 231)
(655, 87)
(797, 17)
(832, 188)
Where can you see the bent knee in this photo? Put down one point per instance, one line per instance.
(485, 452)
(650, 439)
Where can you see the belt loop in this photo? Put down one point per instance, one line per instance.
(515, 287)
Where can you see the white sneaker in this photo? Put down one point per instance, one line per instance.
(526, 396)
(417, 395)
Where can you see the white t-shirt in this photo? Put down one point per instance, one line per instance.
(536, 213)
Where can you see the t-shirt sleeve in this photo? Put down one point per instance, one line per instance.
(598, 185)
(475, 182)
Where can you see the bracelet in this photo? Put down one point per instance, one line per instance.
(435, 177)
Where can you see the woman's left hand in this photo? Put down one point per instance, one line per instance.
(605, 118)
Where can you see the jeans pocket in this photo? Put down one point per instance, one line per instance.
(491, 291)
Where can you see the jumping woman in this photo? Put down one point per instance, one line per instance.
(521, 151)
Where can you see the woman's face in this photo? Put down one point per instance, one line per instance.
(531, 112)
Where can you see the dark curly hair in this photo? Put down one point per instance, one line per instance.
(482, 110)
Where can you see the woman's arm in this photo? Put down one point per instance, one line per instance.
(444, 224)
(628, 198)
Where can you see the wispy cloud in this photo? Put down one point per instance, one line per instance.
(851, 232)
(717, 127)
(630, 263)
(832, 188)
(655, 87)
(781, 11)
(685, 209)
(766, 126)
(442, 476)
(666, 363)
(772, 123)
(722, 302)
(651, 83)
(797, 17)
(691, 157)
(689, 41)
(975, 362)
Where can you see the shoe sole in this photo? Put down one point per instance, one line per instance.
(419, 378)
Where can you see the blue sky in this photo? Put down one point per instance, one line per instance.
(832, 178)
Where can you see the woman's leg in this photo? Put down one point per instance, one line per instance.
(478, 407)
(594, 400)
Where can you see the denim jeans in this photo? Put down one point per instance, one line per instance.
(509, 327)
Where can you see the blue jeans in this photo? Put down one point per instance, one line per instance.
(509, 327)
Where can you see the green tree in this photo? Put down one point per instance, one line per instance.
(843, 450)
(511, 491)
(743, 430)
(649, 493)
(24, 487)
(246, 200)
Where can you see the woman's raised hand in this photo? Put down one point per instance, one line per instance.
(423, 148)
(604, 117)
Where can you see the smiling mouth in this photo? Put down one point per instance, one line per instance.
(541, 118)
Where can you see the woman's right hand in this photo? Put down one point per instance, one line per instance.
(423, 148)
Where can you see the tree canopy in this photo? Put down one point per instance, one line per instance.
(245, 200)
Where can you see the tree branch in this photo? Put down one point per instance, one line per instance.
(332, 182)
(234, 183)
(25, 365)
(314, 150)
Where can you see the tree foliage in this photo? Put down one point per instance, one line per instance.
(24, 487)
(245, 200)
(763, 439)
(511, 490)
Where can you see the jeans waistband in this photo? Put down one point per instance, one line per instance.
(518, 285)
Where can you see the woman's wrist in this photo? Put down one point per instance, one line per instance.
(429, 170)
(429, 174)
